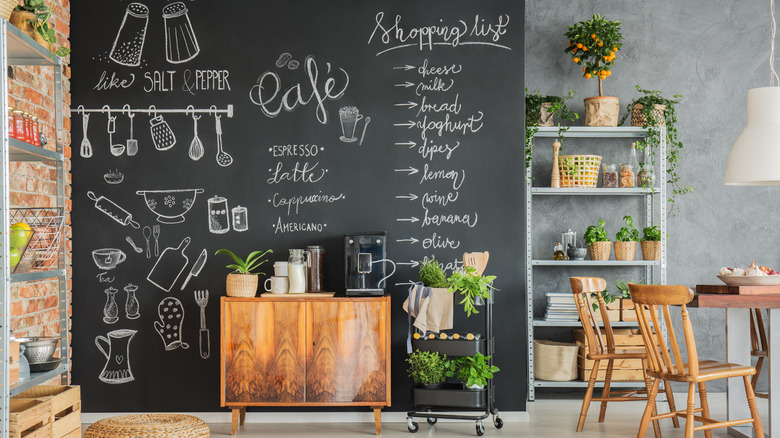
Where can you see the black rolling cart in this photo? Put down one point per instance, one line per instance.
(446, 402)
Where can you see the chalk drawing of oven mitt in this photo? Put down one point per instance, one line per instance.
(171, 314)
(162, 135)
(129, 42)
(181, 45)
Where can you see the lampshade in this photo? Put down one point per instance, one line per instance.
(754, 159)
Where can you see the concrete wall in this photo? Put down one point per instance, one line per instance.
(711, 52)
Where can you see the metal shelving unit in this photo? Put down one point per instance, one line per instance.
(16, 48)
(654, 206)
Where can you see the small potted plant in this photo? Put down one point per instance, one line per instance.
(625, 240)
(432, 275)
(242, 282)
(594, 44)
(599, 246)
(472, 371)
(539, 111)
(427, 368)
(472, 286)
(32, 18)
(651, 243)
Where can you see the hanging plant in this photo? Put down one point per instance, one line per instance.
(534, 103)
(594, 44)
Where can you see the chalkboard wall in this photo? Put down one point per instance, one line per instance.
(434, 158)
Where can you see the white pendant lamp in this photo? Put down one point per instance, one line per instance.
(754, 159)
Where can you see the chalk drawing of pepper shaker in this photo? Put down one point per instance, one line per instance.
(110, 310)
(181, 45)
(131, 305)
(240, 219)
(129, 42)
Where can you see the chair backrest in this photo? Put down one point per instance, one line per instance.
(598, 341)
(476, 259)
(650, 303)
(758, 341)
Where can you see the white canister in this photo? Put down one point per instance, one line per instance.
(280, 269)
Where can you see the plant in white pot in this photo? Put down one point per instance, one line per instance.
(242, 282)
(593, 44)
(598, 242)
(472, 286)
(472, 371)
(625, 240)
(651, 243)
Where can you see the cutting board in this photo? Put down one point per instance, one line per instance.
(737, 290)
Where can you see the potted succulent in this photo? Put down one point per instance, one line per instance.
(432, 275)
(625, 240)
(539, 111)
(472, 371)
(32, 18)
(594, 44)
(242, 282)
(472, 286)
(651, 243)
(427, 368)
(653, 109)
(597, 240)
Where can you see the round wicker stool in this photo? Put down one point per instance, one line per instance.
(149, 426)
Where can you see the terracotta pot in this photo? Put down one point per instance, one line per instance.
(19, 19)
(625, 251)
(600, 250)
(602, 111)
(241, 285)
(651, 250)
(545, 117)
(639, 119)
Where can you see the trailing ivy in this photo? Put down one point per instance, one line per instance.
(533, 110)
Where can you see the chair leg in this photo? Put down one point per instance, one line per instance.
(670, 400)
(758, 428)
(648, 386)
(705, 407)
(759, 364)
(689, 411)
(588, 395)
(651, 393)
(605, 392)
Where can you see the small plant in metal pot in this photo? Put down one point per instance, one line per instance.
(242, 282)
(472, 371)
(599, 245)
(432, 274)
(626, 239)
(472, 286)
(651, 243)
(428, 369)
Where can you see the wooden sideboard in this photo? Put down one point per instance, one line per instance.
(305, 351)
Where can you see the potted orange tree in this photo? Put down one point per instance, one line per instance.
(594, 44)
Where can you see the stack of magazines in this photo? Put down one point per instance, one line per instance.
(561, 307)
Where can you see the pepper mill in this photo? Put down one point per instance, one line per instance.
(556, 177)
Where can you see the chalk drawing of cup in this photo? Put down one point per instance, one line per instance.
(349, 116)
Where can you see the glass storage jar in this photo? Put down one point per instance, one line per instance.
(609, 175)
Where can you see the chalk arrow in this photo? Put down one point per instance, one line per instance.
(408, 103)
(410, 124)
(406, 67)
(409, 169)
(406, 84)
(412, 264)
(408, 283)
(411, 144)
(410, 196)
(411, 240)
(408, 219)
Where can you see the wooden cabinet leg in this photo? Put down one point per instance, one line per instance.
(243, 416)
(378, 420)
(234, 422)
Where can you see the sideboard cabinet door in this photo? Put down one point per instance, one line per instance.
(264, 352)
(346, 352)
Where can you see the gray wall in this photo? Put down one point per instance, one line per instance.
(711, 52)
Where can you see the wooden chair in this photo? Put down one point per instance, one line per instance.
(648, 299)
(601, 346)
(758, 345)
(476, 259)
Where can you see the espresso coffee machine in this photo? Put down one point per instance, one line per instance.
(365, 259)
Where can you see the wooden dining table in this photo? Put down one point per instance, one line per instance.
(738, 301)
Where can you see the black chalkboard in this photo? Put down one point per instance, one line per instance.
(435, 160)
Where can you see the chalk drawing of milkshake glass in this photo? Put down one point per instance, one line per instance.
(181, 45)
(349, 116)
(129, 42)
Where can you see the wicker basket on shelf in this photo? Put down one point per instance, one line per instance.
(579, 170)
(241, 285)
(555, 361)
(651, 250)
(625, 251)
(600, 250)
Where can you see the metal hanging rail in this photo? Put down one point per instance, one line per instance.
(153, 110)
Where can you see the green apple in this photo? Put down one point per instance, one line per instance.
(16, 257)
(19, 236)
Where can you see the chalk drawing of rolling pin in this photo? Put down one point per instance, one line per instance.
(113, 211)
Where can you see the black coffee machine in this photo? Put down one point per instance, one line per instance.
(365, 258)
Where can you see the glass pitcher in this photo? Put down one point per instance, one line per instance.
(296, 271)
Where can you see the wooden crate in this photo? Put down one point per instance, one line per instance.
(65, 407)
(625, 364)
(617, 375)
(623, 337)
(30, 418)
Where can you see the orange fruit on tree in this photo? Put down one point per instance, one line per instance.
(614, 49)
(579, 45)
(584, 49)
(609, 72)
(587, 75)
(593, 35)
(576, 59)
(601, 44)
(584, 69)
(611, 54)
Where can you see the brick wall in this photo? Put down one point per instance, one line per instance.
(34, 305)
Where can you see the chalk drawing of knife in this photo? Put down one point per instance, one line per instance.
(196, 268)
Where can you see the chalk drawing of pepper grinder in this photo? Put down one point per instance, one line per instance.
(131, 305)
(110, 310)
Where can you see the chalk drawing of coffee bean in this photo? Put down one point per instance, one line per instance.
(293, 65)
(283, 58)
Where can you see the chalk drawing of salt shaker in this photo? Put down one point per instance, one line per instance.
(131, 305)
(181, 45)
(129, 42)
(219, 221)
(240, 218)
(111, 310)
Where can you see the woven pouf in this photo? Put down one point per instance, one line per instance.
(149, 426)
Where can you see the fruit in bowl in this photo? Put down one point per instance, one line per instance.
(752, 276)
(752, 271)
(20, 235)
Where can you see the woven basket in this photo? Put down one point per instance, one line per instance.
(639, 119)
(149, 425)
(625, 251)
(241, 285)
(600, 250)
(556, 361)
(19, 19)
(545, 116)
(7, 8)
(651, 250)
(579, 170)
